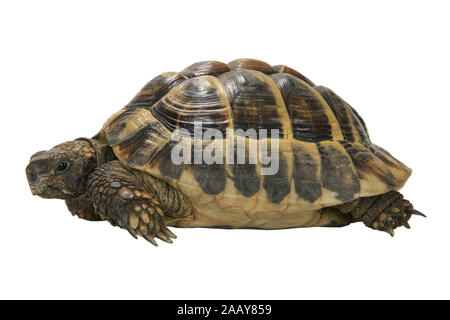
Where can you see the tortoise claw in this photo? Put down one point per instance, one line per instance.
(415, 212)
(403, 222)
(131, 231)
(164, 237)
(151, 240)
(169, 233)
(389, 230)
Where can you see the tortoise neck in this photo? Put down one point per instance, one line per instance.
(103, 152)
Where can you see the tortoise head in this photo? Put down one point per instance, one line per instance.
(61, 172)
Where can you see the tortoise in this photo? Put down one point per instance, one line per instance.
(328, 172)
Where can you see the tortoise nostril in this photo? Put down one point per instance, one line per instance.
(31, 176)
(35, 170)
(36, 181)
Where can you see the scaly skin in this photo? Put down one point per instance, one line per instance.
(384, 212)
(48, 180)
(83, 208)
(96, 191)
(118, 198)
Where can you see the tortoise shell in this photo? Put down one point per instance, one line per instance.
(326, 157)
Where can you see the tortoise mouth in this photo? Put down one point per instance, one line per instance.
(50, 192)
(41, 186)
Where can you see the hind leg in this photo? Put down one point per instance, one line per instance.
(384, 212)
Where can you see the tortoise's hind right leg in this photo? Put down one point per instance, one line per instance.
(384, 212)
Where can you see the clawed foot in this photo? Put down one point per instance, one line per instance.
(118, 200)
(135, 211)
(147, 221)
(396, 215)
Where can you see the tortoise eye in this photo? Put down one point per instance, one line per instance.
(62, 167)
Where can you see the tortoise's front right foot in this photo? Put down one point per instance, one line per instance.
(118, 199)
(385, 212)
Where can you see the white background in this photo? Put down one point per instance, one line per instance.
(65, 68)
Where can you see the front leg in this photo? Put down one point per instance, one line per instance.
(118, 198)
(83, 208)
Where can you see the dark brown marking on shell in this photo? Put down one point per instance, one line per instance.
(155, 89)
(340, 109)
(203, 68)
(117, 125)
(195, 100)
(360, 126)
(309, 120)
(278, 185)
(366, 163)
(380, 151)
(387, 158)
(245, 176)
(337, 173)
(360, 119)
(253, 103)
(142, 146)
(251, 64)
(306, 174)
(212, 178)
(163, 160)
(285, 69)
